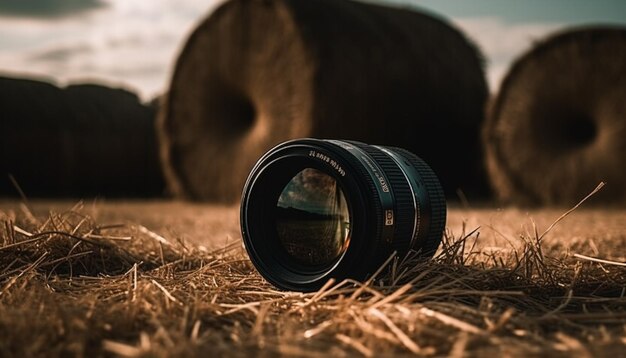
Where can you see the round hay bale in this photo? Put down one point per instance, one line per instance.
(258, 72)
(83, 140)
(558, 126)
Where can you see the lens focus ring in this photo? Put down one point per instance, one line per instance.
(436, 204)
(404, 210)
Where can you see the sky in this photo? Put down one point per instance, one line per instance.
(134, 43)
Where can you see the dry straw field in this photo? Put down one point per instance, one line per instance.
(171, 279)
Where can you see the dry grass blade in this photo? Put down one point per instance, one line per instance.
(593, 192)
(358, 346)
(459, 347)
(23, 272)
(153, 235)
(121, 349)
(402, 337)
(85, 292)
(603, 261)
(451, 321)
(165, 291)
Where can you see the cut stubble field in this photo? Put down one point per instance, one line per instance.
(164, 278)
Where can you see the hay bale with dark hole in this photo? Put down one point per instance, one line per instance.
(255, 73)
(83, 140)
(558, 126)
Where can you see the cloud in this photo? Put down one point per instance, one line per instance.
(47, 8)
(61, 53)
(129, 43)
(502, 42)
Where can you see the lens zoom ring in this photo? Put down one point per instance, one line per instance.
(430, 243)
(404, 210)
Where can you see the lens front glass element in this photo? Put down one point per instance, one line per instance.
(312, 218)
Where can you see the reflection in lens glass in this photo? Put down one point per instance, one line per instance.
(312, 218)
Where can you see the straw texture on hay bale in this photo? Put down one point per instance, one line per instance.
(558, 125)
(255, 73)
(76, 141)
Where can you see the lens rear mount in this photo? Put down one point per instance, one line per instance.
(315, 209)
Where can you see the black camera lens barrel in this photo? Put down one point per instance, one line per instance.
(299, 233)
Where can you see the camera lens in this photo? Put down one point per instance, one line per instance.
(317, 209)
